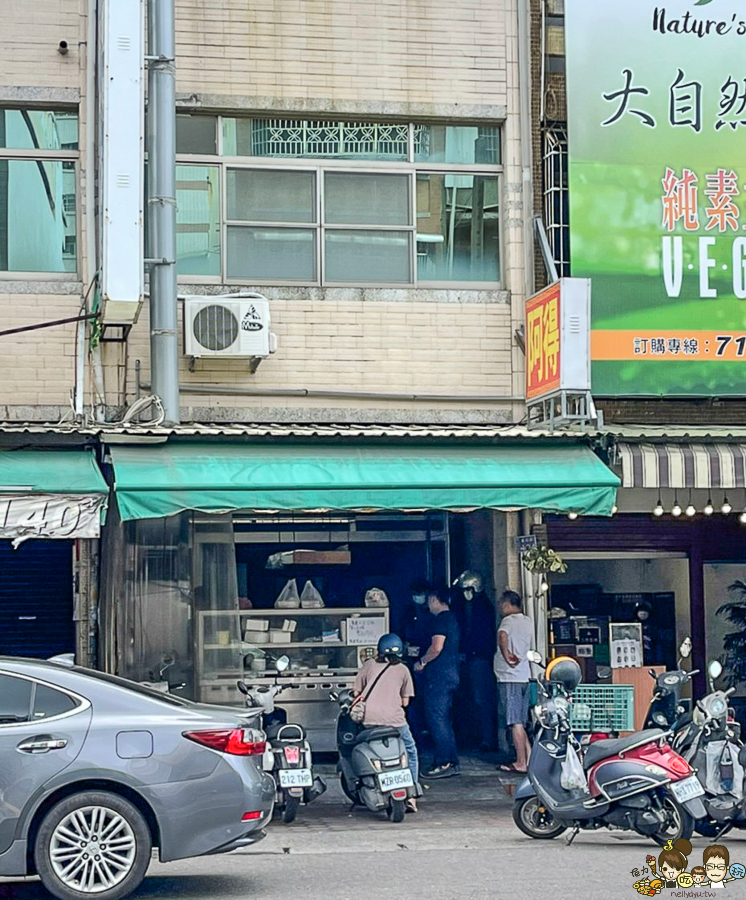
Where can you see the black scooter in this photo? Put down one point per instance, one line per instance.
(666, 709)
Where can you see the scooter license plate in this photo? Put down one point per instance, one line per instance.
(290, 778)
(687, 789)
(390, 781)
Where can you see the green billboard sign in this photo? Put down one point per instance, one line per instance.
(657, 182)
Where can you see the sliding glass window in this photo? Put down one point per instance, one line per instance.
(38, 192)
(338, 203)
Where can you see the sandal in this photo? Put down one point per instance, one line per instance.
(511, 768)
(411, 806)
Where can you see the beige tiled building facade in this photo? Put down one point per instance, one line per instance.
(359, 164)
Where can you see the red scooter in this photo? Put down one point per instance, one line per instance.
(637, 783)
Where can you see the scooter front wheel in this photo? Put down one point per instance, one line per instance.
(535, 820)
(679, 823)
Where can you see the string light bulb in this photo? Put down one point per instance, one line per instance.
(726, 509)
(709, 508)
(614, 509)
(658, 511)
(572, 515)
(742, 518)
(690, 510)
(544, 587)
(676, 509)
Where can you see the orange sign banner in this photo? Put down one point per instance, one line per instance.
(543, 351)
(668, 345)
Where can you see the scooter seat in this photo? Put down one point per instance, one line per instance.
(600, 750)
(293, 732)
(377, 733)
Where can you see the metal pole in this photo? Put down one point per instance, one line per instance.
(161, 142)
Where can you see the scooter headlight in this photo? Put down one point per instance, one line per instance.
(376, 763)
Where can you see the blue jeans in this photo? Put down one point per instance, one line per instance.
(414, 764)
(438, 704)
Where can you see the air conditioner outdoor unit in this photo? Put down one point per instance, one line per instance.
(235, 326)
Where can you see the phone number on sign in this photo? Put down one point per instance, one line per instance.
(716, 346)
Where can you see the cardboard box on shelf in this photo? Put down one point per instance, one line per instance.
(252, 624)
(279, 637)
(289, 625)
(256, 637)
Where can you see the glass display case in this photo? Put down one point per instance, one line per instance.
(326, 647)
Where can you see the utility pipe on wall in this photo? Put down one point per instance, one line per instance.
(161, 142)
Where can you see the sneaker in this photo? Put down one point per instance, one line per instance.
(445, 771)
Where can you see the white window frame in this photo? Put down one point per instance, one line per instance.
(33, 155)
(319, 166)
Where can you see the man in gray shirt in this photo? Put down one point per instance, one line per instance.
(515, 635)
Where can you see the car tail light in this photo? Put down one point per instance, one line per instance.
(235, 741)
(251, 816)
(292, 755)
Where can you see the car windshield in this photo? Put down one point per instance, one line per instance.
(136, 688)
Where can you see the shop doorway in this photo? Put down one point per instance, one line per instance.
(36, 599)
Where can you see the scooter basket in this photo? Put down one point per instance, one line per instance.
(603, 707)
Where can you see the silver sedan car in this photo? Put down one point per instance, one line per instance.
(96, 771)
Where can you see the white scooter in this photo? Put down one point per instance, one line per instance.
(288, 757)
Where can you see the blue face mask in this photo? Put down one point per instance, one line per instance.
(419, 599)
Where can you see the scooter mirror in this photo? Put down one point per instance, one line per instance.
(685, 650)
(282, 663)
(715, 669)
(534, 657)
(242, 687)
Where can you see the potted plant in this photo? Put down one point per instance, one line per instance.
(734, 644)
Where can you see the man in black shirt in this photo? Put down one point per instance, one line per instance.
(441, 668)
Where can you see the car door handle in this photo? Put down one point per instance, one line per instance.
(42, 746)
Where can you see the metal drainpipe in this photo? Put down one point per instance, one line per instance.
(524, 82)
(161, 136)
(90, 221)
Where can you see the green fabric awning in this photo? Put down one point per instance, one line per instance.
(50, 472)
(51, 494)
(154, 481)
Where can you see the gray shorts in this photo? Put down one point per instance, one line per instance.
(514, 696)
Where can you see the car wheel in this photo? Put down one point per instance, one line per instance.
(92, 844)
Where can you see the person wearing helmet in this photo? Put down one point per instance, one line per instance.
(387, 688)
(515, 635)
(478, 624)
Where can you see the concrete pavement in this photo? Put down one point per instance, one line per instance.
(463, 845)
